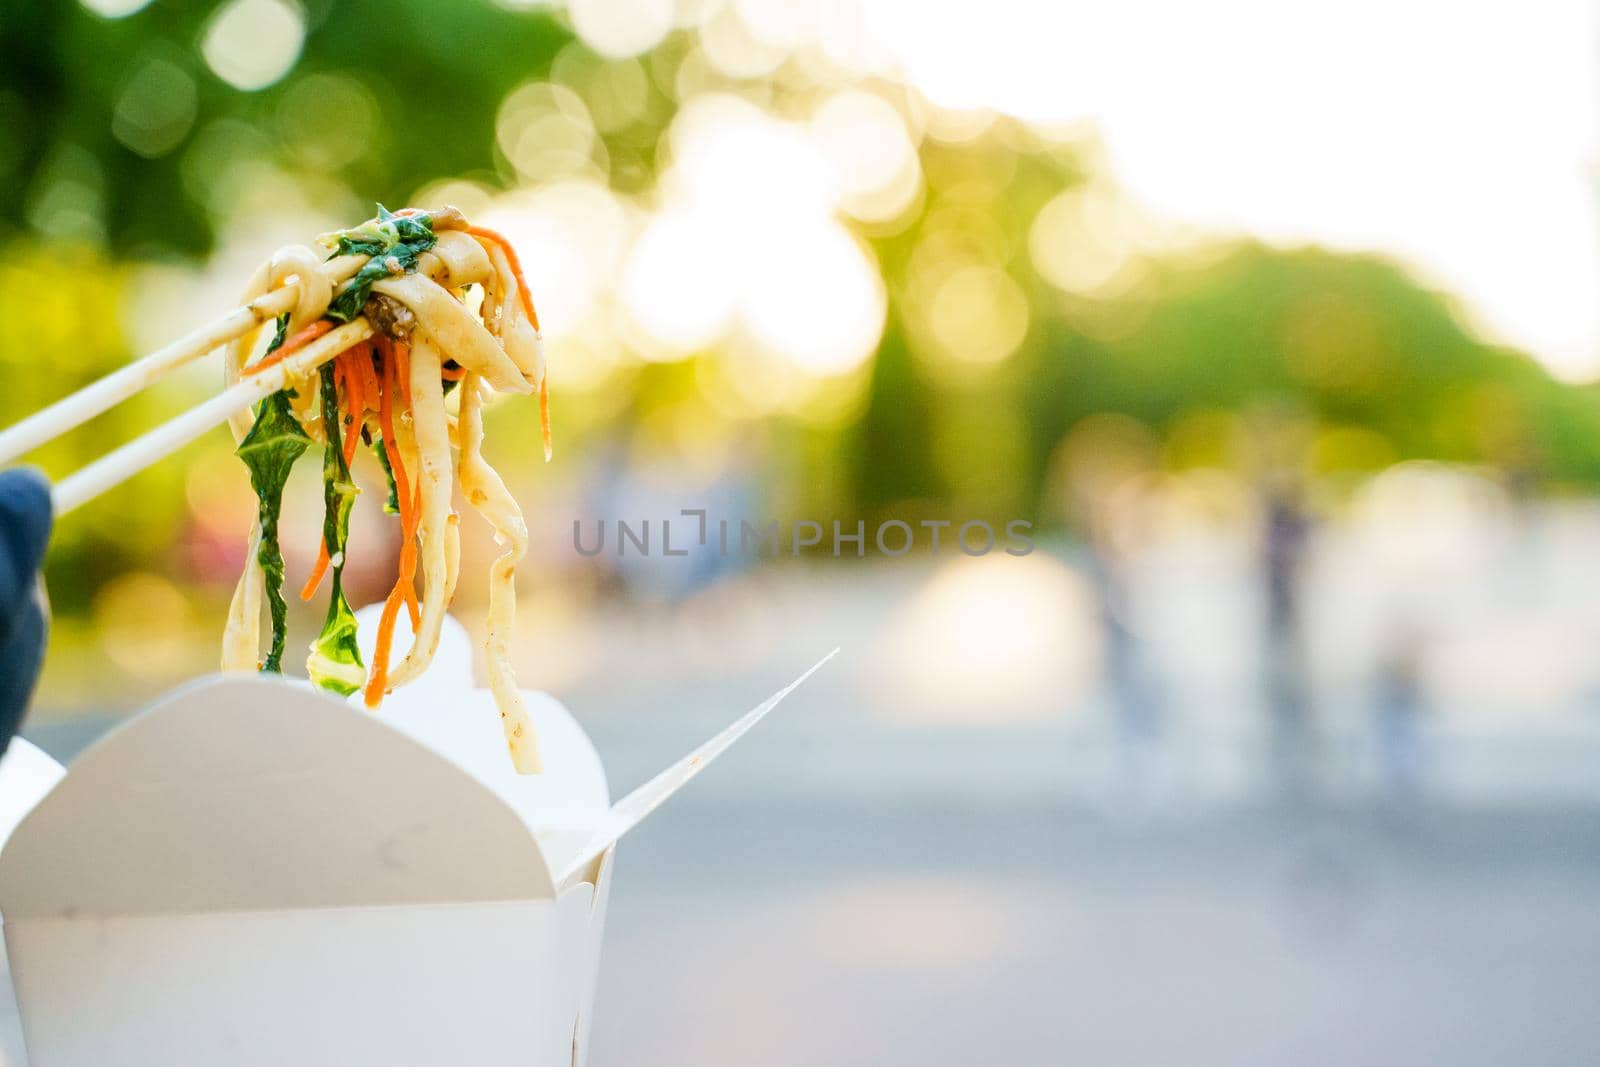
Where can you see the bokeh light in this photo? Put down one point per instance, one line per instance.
(114, 9)
(546, 133)
(571, 238)
(328, 120)
(873, 157)
(816, 300)
(621, 28)
(748, 231)
(138, 615)
(996, 635)
(978, 314)
(677, 285)
(155, 109)
(1081, 239)
(252, 43)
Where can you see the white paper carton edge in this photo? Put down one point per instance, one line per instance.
(634, 808)
(26, 775)
(349, 810)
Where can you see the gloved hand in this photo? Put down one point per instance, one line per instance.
(24, 530)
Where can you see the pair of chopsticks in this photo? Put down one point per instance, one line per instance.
(117, 466)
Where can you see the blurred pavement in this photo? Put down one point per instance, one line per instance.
(879, 877)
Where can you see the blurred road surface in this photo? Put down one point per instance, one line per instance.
(941, 853)
(882, 936)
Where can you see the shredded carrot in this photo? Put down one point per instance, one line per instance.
(379, 680)
(320, 568)
(403, 492)
(526, 297)
(346, 382)
(349, 378)
(544, 414)
(404, 591)
(391, 446)
(369, 379)
(354, 357)
(298, 341)
(516, 268)
(453, 374)
(408, 559)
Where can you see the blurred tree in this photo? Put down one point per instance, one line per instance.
(111, 125)
(1355, 341)
(123, 138)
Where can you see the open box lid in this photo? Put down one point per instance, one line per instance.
(446, 711)
(26, 775)
(251, 792)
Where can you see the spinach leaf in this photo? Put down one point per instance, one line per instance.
(335, 661)
(391, 506)
(274, 442)
(393, 241)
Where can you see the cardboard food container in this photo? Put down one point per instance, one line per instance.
(255, 872)
(26, 775)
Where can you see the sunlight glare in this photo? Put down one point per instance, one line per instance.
(996, 637)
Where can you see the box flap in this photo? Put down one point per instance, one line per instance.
(249, 792)
(445, 710)
(632, 809)
(26, 775)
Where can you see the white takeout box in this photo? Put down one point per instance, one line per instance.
(253, 872)
(26, 775)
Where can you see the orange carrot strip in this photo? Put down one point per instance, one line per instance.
(349, 378)
(408, 561)
(404, 591)
(516, 268)
(369, 379)
(544, 414)
(453, 374)
(379, 680)
(342, 382)
(526, 297)
(409, 506)
(391, 446)
(354, 380)
(299, 340)
(320, 568)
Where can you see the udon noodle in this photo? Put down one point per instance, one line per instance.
(402, 280)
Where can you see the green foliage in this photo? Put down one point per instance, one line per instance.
(424, 79)
(1352, 343)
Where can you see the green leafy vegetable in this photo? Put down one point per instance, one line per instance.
(393, 241)
(391, 506)
(269, 450)
(335, 661)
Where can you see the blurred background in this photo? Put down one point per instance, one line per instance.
(1278, 324)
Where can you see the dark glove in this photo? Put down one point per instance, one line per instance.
(24, 531)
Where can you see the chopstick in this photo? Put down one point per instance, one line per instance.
(117, 466)
(86, 403)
